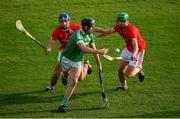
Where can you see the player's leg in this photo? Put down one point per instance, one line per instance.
(121, 75)
(54, 78)
(64, 78)
(74, 69)
(140, 74)
(73, 76)
(122, 68)
(135, 67)
(89, 70)
(55, 75)
(131, 71)
(86, 69)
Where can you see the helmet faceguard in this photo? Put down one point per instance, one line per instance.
(87, 23)
(123, 17)
(63, 16)
(63, 19)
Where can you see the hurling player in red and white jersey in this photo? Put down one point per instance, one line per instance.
(132, 55)
(62, 34)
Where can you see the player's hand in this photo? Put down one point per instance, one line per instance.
(99, 67)
(47, 50)
(134, 58)
(103, 51)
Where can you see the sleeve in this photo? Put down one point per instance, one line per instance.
(75, 27)
(116, 28)
(54, 35)
(78, 36)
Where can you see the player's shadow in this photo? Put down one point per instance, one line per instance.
(15, 113)
(83, 94)
(26, 97)
(37, 96)
(9, 114)
(162, 114)
(72, 109)
(86, 109)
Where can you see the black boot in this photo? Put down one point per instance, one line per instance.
(62, 109)
(141, 75)
(64, 81)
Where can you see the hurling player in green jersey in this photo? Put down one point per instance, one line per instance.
(81, 42)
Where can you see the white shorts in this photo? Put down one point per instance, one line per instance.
(126, 56)
(66, 64)
(59, 56)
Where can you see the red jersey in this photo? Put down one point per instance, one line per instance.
(128, 34)
(64, 35)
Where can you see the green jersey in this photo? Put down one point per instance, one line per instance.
(72, 51)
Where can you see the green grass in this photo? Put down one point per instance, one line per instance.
(25, 70)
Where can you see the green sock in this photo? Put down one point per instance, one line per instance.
(64, 102)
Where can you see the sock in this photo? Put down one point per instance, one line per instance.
(123, 85)
(51, 87)
(64, 102)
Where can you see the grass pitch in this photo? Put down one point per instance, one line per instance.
(25, 70)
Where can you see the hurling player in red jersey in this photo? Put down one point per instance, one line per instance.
(61, 33)
(132, 55)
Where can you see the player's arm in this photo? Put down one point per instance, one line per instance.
(86, 49)
(105, 32)
(135, 48)
(53, 40)
(99, 30)
(96, 56)
(50, 46)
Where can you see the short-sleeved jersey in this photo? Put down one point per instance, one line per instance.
(64, 35)
(128, 34)
(72, 50)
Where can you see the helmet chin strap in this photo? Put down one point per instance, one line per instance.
(122, 27)
(65, 28)
(85, 30)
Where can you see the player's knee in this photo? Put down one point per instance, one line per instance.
(74, 82)
(80, 79)
(129, 75)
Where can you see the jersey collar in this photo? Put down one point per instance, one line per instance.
(82, 32)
